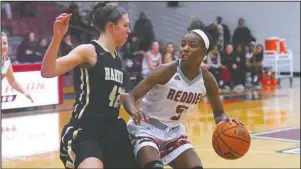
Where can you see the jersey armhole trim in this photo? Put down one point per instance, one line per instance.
(98, 50)
(167, 80)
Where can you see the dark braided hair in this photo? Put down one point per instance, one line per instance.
(105, 12)
(210, 30)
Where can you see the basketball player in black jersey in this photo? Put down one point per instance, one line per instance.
(95, 137)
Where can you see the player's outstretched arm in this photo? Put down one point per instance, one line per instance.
(14, 84)
(214, 99)
(51, 66)
(160, 75)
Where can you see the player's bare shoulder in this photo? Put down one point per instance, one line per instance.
(209, 80)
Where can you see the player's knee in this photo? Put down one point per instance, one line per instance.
(154, 164)
(198, 167)
(91, 162)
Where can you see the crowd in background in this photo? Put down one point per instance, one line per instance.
(236, 62)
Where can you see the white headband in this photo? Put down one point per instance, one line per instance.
(203, 36)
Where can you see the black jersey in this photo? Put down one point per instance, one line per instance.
(98, 88)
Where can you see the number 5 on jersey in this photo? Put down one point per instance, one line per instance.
(179, 111)
(114, 96)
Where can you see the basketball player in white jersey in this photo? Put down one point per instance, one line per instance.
(7, 69)
(171, 92)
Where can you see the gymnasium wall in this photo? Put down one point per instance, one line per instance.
(265, 19)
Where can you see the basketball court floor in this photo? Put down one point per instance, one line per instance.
(31, 139)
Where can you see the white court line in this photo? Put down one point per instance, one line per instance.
(291, 151)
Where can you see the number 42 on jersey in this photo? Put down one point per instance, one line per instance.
(114, 96)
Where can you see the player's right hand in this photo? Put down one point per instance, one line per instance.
(232, 120)
(138, 117)
(29, 97)
(61, 24)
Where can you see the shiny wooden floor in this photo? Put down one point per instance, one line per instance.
(32, 141)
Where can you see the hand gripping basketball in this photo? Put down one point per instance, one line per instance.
(61, 24)
(231, 140)
(231, 120)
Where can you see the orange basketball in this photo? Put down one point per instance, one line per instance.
(231, 141)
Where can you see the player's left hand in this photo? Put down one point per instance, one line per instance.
(29, 97)
(232, 120)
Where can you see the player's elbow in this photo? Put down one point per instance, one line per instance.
(46, 74)
(122, 96)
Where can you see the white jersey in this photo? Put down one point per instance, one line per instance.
(172, 102)
(154, 58)
(145, 66)
(5, 65)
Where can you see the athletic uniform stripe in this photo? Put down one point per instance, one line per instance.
(82, 88)
(66, 132)
(70, 154)
(87, 92)
(69, 164)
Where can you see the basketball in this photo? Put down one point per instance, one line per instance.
(231, 141)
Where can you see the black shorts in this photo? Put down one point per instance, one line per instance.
(108, 142)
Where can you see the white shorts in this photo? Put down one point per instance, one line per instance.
(170, 142)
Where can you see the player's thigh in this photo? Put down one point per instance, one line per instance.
(76, 147)
(188, 159)
(89, 154)
(121, 153)
(145, 143)
(83, 160)
(175, 144)
(91, 162)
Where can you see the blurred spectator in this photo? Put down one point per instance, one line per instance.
(227, 61)
(130, 47)
(256, 66)
(259, 53)
(152, 59)
(143, 29)
(66, 45)
(7, 9)
(177, 53)
(71, 7)
(241, 52)
(225, 33)
(25, 52)
(238, 68)
(167, 58)
(75, 23)
(242, 34)
(171, 50)
(250, 51)
(41, 49)
(26, 9)
(214, 63)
